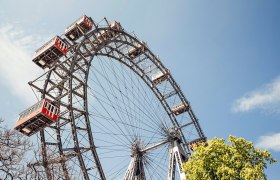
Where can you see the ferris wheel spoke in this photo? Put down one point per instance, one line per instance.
(141, 91)
(149, 130)
(131, 116)
(142, 111)
(117, 87)
(114, 107)
(121, 115)
(125, 72)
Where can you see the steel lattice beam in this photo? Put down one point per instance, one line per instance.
(70, 85)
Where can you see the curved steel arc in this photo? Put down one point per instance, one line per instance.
(90, 136)
(158, 63)
(91, 53)
(72, 120)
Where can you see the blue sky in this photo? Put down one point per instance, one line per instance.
(224, 54)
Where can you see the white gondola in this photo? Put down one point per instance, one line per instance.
(50, 52)
(116, 26)
(109, 34)
(160, 76)
(136, 51)
(78, 28)
(180, 108)
(197, 142)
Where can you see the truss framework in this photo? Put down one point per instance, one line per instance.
(66, 85)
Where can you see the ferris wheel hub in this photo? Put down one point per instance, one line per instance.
(136, 148)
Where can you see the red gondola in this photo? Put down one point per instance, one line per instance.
(47, 55)
(78, 28)
(37, 117)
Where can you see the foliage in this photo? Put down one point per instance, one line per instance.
(237, 160)
(13, 148)
(14, 163)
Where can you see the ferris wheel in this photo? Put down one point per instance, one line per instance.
(109, 108)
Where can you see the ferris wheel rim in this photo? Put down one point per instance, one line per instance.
(93, 55)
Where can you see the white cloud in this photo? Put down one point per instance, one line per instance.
(16, 66)
(266, 98)
(269, 142)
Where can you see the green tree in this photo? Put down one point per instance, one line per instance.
(237, 160)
